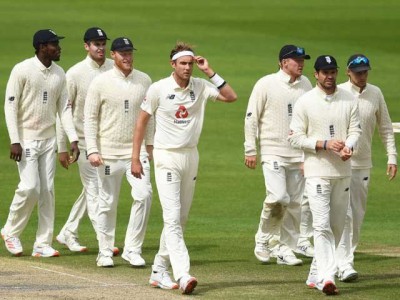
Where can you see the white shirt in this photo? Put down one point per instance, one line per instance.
(35, 95)
(268, 116)
(179, 112)
(373, 111)
(318, 116)
(112, 106)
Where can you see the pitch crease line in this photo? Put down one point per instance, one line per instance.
(84, 278)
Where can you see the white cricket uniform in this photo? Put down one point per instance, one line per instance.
(373, 111)
(318, 116)
(179, 115)
(268, 117)
(79, 78)
(34, 96)
(111, 109)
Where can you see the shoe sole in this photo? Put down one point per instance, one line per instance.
(190, 286)
(107, 266)
(57, 254)
(157, 284)
(350, 277)
(330, 289)
(303, 253)
(279, 262)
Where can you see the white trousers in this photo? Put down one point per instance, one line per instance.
(36, 172)
(87, 200)
(280, 216)
(110, 179)
(306, 230)
(360, 179)
(175, 172)
(329, 200)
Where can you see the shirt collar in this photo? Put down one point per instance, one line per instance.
(41, 66)
(323, 95)
(283, 76)
(355, 89)
(175, 85)
(120, 74)
(93, 64)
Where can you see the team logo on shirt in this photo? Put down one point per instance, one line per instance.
(332, 130)
(44, 97)
(182, 113)
(11, 98)
(290, 110)
(126, 105)
(192, 96)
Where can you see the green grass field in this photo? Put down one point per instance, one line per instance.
(241, 40)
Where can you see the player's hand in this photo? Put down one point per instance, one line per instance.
(346, 153)
(137, 169)
(335, 145)
(391, 171)
(75, 152)
(250, 161)
(96, 160)
(202, 64)
(149, 150)
(16, 152)
(63, 158)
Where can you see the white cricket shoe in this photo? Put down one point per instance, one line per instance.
(104, 261)
(348, 275)
(46, 251)
(187, 284)
(135, 259)
(306, 250)
(71, 242)
(262, 252)
(285, 256)
(13, 244)
(312, 281)
(162, 280)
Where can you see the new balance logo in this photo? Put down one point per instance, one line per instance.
(11, 98)
(107, 170)
(171, 97)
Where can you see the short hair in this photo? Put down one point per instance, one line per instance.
(179, 47)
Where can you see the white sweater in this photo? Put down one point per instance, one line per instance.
(79, 78)
(268, 116)
(111, 109)
(34, 96)
(319, 117)
(373, 111)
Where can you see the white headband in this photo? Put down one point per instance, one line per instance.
(182, 53)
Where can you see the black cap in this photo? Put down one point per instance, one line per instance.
(292, 51)
(44, 36)
(122, 44)
(325, 62)
(95, 33)
(358, 63)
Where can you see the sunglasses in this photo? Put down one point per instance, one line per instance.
(298, 51)
(358, 61)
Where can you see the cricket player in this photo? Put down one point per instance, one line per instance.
(79, 77)
(112, 106)
(36, 93)
(268, 117)
(373, 112)
(178, 105)
(326, 126)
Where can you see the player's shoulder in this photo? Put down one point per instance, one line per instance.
(142, 75)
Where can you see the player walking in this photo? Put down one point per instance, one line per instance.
(178, 104)
(326, 126)
(36, 93)
(268, 116)
(79, 77)
(111, 109)
(373, 111)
